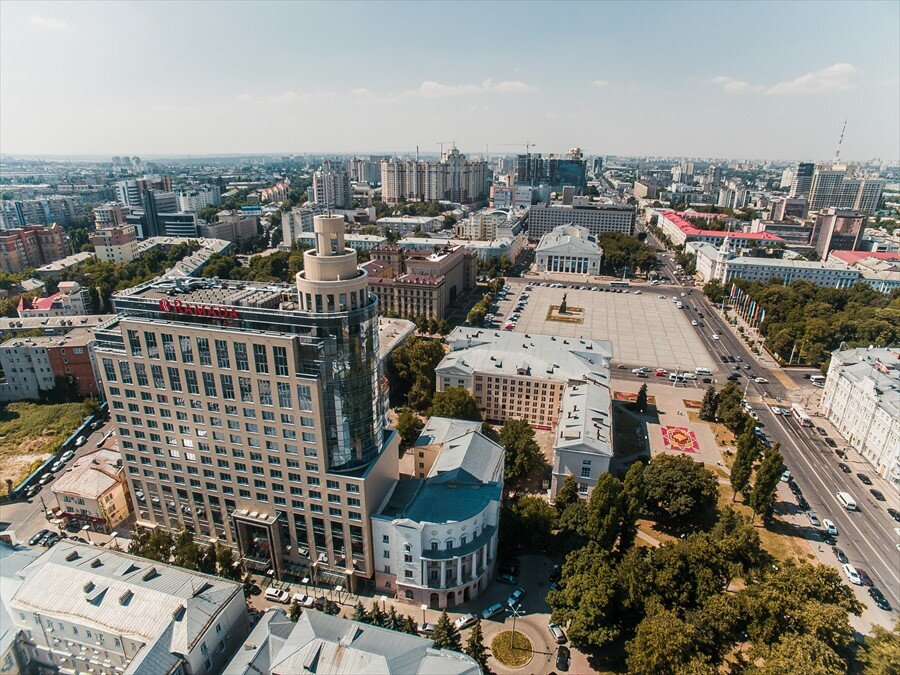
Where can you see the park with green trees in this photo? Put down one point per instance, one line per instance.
(805, 322)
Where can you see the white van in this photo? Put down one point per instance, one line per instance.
(703, 371)
(846, 500)
(675, 377)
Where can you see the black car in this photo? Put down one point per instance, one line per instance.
(864, 478)
(510, 566)
(864, 577)
(877, 494)
(843, 467)
(795, 488)
(894, 513)
(724, 359)
(830, 443)
(37, 537)
(50, 540)
(821, 431)
(563, 659)
(802, 503)
(840, 555)
(879, 599)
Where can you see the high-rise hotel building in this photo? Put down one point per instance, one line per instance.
(254, 413)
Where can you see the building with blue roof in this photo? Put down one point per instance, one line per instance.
(435, 535)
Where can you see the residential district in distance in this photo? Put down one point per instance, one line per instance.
(452, 413)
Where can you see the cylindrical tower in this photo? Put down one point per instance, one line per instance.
(333, 288)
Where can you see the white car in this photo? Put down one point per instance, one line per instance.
(851, 574)
(830, 527)
(693, 322)
(760, 380)
(81, 440)
(464, 621)
(715, 337)
(637, 292)
(66, 456)
(638, 371)
(689, 376)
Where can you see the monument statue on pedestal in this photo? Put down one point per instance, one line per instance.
(563, 307)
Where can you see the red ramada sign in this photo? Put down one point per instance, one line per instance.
(215, 311)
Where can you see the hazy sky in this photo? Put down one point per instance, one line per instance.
(695, 79)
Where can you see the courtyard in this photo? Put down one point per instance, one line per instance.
(644, 329)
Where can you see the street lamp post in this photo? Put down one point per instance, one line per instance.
(516, 611)
(424, 607)
(383, 603)
(87, 531)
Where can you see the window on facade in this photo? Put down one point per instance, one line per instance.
(227, 387)
(264, 387)
(304, 397)
(174, 378)
(260, 358)
(168, 344)
(281, 362)
(203, 351)
(187, 349)
(134, 342)
(284, 394)
(152, 347)
(158, 381)
(110, 371)
(246, 389)
(222, 354)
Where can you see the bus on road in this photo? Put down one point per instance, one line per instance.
(799, 414)
(818, 380)
(619, 284)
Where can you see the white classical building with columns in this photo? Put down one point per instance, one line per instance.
(569, 248)
(435, 537)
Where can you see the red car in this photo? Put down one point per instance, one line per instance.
(661, 373)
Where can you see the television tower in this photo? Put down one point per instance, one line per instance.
(837, 153)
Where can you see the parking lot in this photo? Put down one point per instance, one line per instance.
(644, 329)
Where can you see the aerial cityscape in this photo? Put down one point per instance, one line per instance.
(607, 383)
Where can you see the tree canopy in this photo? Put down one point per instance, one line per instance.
(457, 403)
(678, 488)
(523, 456)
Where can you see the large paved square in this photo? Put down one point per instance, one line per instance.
(644, 330)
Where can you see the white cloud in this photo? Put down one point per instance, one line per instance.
(600, 83)
(49, 23)
(836, 77)
(362, 92)
(430, 89)
(737, 86)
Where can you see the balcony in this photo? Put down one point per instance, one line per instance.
(450, 554)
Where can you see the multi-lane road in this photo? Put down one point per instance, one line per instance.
(867, 536)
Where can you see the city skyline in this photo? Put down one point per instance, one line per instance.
(268, 78)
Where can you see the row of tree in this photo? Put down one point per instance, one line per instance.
(752, 454)
(805, 322)
(181, 550)
(622, 252)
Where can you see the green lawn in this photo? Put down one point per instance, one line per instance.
(30, 432)
(509, 654)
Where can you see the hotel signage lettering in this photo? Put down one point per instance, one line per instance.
(214, 311)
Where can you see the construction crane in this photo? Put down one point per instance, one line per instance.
(837, 153)
(441, 143)
(528, 145)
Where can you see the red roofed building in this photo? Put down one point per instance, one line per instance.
(679, 231)
(67, 301)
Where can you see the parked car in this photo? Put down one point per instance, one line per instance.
(278, 595)
(786, 477)
(426, 629)
(760, 380)
(67, 455)
(464, 621)
(894, 513)
(865, 578)
(46, 478)
(56, 466)
(81, 440)
(32, 491)
(821, 431)
(506, 577)
(813, 518)
(830, 527)
(843, 467)
(851, 574)
(830, 443)
(864, 478)
(840, 555)
(563, 659)
(492, 611)
(877, 494)
(37, 537)
(558, 635)
(516, 597)
(880, 600)
(50, 539)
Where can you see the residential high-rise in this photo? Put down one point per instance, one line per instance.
(837, 230)
(833, 185)
(556, 171)
(331, 186)
(31, 246)
(783, 208)
(453, 178)
(254, 412)
(801, 181)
